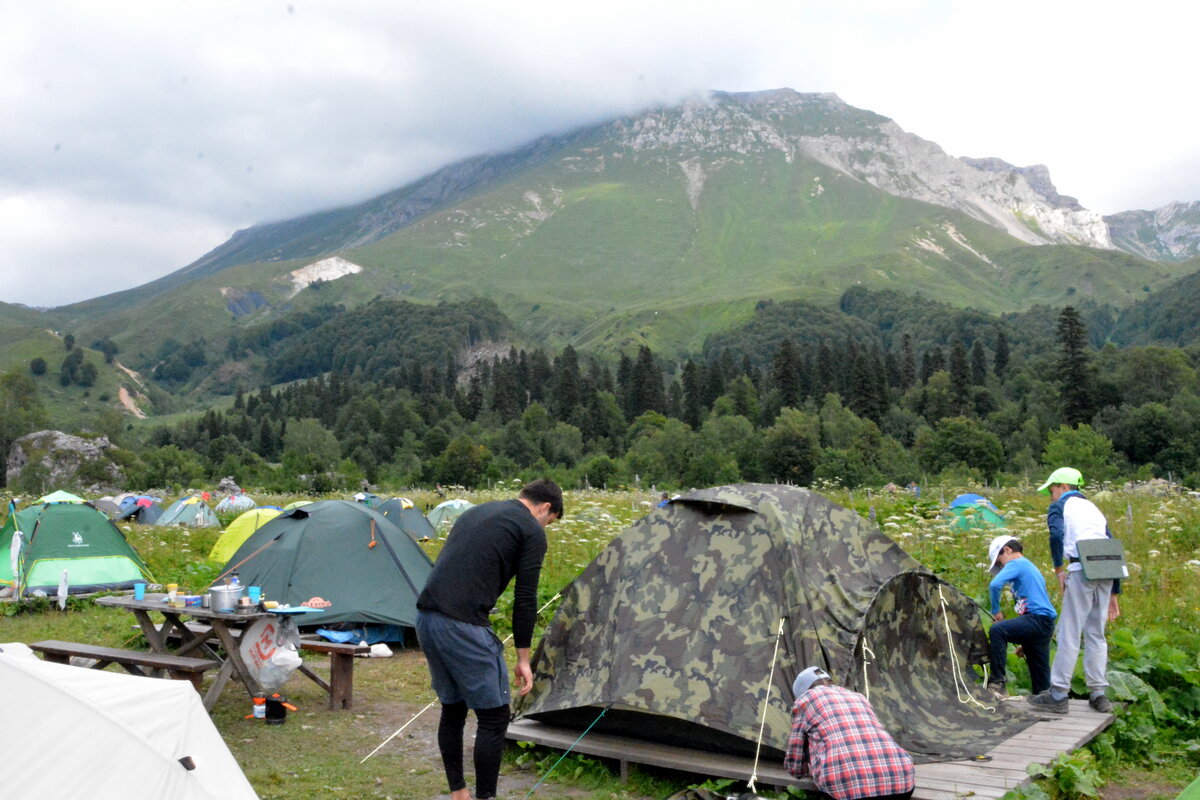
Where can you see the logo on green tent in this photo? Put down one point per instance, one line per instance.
(77, 540)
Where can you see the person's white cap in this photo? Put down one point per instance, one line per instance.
(806, 679)
(994, 551)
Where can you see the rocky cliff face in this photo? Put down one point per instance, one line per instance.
(62, 459)
(1170, 233)
(1022, 201)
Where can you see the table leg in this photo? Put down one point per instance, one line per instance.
(218, 685)
(234, 656)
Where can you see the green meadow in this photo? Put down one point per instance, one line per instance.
(1152, 750)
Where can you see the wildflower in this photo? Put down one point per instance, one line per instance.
(1152, 553)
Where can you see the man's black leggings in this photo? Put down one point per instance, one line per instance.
(489, 746)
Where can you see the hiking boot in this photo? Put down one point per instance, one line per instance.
(1043, 701)
(1101, 703)
(997, 691)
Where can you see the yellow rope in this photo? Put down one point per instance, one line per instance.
(961, 688)
(765, 703)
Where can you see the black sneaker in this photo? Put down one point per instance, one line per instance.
(1100, 703)
(1043, 701)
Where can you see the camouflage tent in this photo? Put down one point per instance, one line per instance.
(674, 626)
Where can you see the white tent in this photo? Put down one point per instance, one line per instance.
(90, 733)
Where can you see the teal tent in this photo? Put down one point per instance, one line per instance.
(404, 513)
(968, 511)
(190, 511)
(339, 556)
(443, 515)
(71, 535)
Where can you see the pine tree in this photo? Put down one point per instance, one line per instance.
(978, 364)
(960, 377)
(908, 366)
(785, 374)
(932, 361)
(647, 391)
(693, 394)
(1074, 373)
(1000, 358)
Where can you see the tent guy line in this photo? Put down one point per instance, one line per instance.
(431, 702)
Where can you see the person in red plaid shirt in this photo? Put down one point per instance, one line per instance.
(838, 741)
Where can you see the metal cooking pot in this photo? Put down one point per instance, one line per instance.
(225, 598)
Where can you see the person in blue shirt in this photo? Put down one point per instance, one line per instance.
(1033, 626)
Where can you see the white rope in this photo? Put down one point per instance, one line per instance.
(961, 688)
(866, 680)
(765, 704)
(426, 708)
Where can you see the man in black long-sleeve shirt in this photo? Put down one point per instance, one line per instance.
(488, 546)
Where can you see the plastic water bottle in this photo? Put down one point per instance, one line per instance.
(234, 582)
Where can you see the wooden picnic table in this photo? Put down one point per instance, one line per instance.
(226, 627)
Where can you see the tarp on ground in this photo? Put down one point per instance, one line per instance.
(72, 536)
(673, 628)
(340, 556)
(405, 513)
(90, 733)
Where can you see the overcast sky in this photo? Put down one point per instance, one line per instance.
(137, 136)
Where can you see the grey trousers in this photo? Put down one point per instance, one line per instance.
(1084, 613)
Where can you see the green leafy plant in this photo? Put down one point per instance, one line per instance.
(1069, 776)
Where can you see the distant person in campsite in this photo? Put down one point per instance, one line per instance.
(1033, 626)
(664, 501)
(838, 741)
(1086, 604)
(488, 546)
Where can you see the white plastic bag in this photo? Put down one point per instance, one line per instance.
(271, 650)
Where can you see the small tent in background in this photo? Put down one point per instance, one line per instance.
(297, 504)
(404, 513)
(111, 509)
(444, 514)
(240, 530)
(969, 511)
(340, 556)
(238, 501)
(368, 499)
(691, 624)
(140, 508)
(191, 511)
(71, 535)
(90, 733)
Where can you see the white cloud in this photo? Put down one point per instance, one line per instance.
(217, 115)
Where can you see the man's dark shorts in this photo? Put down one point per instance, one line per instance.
(466, 662)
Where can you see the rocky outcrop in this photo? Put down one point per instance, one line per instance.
(1170, 233)
(866, 146)
(61, 460)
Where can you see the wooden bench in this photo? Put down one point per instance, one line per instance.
(340, 686)
(134, 662)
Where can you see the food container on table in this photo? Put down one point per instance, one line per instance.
(192, 600)
(225, 598)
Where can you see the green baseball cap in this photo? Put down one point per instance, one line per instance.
(1067, 475)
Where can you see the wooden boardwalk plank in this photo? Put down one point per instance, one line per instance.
(945, 780)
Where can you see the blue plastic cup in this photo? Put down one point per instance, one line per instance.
(139, 591)
(254, 593)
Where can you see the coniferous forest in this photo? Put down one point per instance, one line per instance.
(885, 388)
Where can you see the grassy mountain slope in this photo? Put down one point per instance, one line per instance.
(660, 229)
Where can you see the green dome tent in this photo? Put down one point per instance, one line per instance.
(443, 514)
(190, 511)
(241, 529)
(673, 628)
(970, 511)
(401, 511)
(340, 556)
(71, 535)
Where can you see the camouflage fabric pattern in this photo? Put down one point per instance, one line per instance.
(679, 616)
